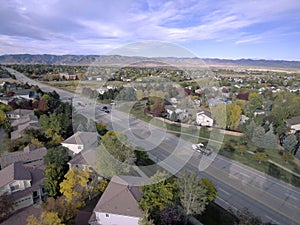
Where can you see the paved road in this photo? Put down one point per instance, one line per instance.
(238, 185)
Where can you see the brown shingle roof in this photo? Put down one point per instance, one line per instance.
(82, 138)
(29, 156)
(15, 171)
(120, 198)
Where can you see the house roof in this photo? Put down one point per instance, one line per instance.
(206, 113)
(82, 138)
(15, 171)
(78, 159)
(25, 119)
(18, 133)
(293, 120)
(121, 198)
(21, 112)
(28, 156)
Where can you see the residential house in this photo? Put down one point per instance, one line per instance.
(18, 113)
(81, 141)
(5, 100)
(24, 184)
(23, 120)
(25, 93)
(22, 128)
(118, 204)
(83, 160)
(204, 118)
(259, 112)
(294, 124)
(68, 76)
(30, 155)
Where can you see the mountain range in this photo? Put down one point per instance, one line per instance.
(111, 60)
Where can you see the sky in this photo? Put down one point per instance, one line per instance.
(230, 29)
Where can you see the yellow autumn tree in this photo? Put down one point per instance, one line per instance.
(74, 187)
(46, 218)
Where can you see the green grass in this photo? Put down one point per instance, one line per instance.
(228, 149)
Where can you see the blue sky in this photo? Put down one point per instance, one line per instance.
(259, 29)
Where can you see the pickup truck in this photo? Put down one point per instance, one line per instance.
(200, 148)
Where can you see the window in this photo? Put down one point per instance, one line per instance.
(14, 187)
(107, 215)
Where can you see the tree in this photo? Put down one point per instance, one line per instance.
(6, 205)
(171, 216)
(242, 149)
(101, 128)
(160, 194)
(220, 115)
(58, 156)
(255, 101)
(260, 156)
(65, 211)
(211, 191)
(46, 218)
(145, 220)
(270, 138)
(249, 129)
(233, 114)
(192, 194)
(289, 143)
(258, 137)
(74, 187)
(115, 155)
(56, 166)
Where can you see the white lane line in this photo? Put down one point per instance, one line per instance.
(269, 218)
(291, 196)
(218, 199)
(222, 190)
(244, 175)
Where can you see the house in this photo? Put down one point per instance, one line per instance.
(244, 119)
(22, 128)
(68, 76)
(204, 118)
(294, 124)
(23, 120)
(25, 93)
(118, 204)
(5, 100)
(18, 113)
(83, 160)
(81, 141)
(28, 156)
(24, 184)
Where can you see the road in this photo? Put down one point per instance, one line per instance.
(238, 185)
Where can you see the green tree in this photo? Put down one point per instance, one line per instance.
(192, 194)
(74, 187)
(255, 102)
(101, 128)
(220, 115)
(160, 194)
(258, 137)
(289, 143)
(233, 114)
(260, 156)
(115, 155)
(211, 191)
(270, 138)
(46, 218)
(146, 220)
(56, 166)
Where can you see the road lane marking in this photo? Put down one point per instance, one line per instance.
(269, 218)
(227, 203)
(222, 190)
(291, 196)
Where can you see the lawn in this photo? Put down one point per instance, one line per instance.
(229, 147)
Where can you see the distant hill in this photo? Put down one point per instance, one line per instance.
(126, 60)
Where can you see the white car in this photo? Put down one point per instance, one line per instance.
(200, 148)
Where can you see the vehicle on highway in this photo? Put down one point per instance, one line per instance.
(202, 149)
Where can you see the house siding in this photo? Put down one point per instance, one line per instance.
(114, 219)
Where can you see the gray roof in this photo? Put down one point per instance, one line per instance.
(18, 133)
(207, 113)
(26, 157)
(120, 198)
(15, 171)
(25, 119)
(21, 112)
(83, 138)
(293, 120)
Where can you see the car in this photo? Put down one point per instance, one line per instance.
(201, 149)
